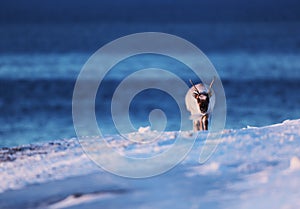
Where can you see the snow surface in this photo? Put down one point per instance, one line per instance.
(252, 167)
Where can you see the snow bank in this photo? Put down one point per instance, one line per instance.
(295, 164)
(253, 165)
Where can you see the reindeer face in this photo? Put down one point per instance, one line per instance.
(202, 100)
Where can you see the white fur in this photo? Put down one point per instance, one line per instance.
(192, 105)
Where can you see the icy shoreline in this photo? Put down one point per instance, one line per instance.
(250, 165)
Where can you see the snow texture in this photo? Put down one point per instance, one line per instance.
(251, 166)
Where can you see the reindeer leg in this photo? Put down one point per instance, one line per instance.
(197, 125)
(201, 124)
(204, 121)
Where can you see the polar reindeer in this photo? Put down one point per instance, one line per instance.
(199, 102)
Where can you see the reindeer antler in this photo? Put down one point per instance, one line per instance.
(209, 90)
(210, 86)
(194, 86)
(212, 82)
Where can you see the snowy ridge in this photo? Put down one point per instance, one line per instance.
(250, 165)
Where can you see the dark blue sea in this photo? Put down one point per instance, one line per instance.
(258, 63)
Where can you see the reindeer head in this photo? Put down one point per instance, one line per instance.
(202, 100)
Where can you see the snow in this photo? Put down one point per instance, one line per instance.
(144, 129)
(206, 169)
(295, 164)
(78, 199)
(256, 165)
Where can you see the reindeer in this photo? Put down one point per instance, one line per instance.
(197, 102)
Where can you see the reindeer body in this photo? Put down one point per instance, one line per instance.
(199, 102)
